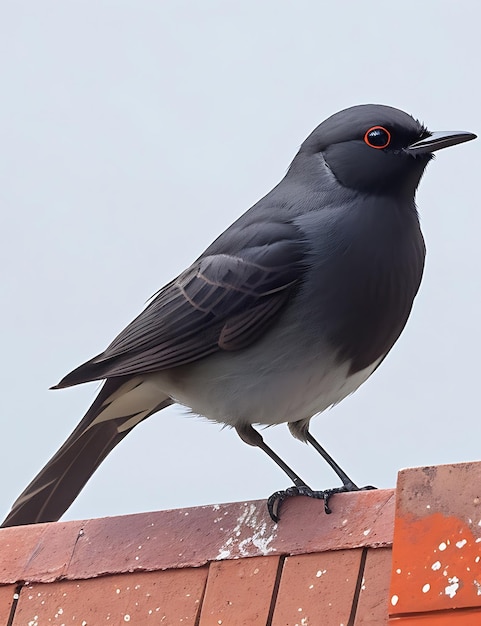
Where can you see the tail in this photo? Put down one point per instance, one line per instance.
(121, 405)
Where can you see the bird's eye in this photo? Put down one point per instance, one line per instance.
(377, 137)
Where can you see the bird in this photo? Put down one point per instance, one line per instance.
(285, 314)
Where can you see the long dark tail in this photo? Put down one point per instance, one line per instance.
(119, 407)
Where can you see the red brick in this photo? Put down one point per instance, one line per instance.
(362, 518)
(171, 597)
(16, 547)
(239, 592)
(317, 588)
(6, 598)
(51, 557)
(192, 537)
(372, 609)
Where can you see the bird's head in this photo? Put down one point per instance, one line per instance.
(378, 149)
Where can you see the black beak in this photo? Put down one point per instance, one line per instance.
(439, 140)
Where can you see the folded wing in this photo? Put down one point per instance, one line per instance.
(221, 302)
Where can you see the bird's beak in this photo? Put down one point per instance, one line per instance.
(439, 140)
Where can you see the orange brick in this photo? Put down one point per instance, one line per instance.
(446, 618)
(437, 540)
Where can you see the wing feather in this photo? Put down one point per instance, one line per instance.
(221, 302)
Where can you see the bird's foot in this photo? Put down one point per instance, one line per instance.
(328, 493)
(276, 500)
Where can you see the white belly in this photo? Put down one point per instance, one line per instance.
(242, 388)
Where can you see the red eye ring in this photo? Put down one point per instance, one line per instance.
(379, 133)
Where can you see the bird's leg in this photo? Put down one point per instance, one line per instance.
(347, 483)
(252, 437)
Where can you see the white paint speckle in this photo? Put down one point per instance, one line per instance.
(428, 506)
(442, 546)
(366, 532)
(436, 565)
(462, 543)
(216, 507)
(394, 600)
(477, 559)
(398, 571)
(451, 589)
(320, 572)
(117, 591)
(223, 554)
(126, 617)
(344, 522)
(478, 587)
(260, 536)
(311, 586)
(426, 587)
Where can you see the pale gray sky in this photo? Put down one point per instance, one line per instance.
(131, 134)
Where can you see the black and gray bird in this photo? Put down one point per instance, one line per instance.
(285, 314)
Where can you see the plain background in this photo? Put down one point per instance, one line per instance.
(131, 134)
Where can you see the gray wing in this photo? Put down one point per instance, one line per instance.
(224, 301)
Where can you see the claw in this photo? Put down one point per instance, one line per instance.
(328, 493)
(275, 501)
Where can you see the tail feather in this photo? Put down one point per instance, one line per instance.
(119, 407)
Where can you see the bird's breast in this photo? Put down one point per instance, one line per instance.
(366, 270)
